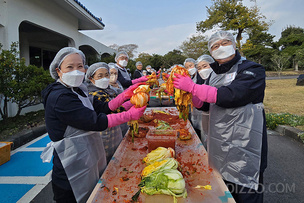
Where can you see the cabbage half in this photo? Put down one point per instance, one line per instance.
(168, 163)
(168, 182)
(159, 154)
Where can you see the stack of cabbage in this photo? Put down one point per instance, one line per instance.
(161, 176)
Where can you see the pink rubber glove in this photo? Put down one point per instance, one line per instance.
(141, 79)
(121, 98)
(120, 118)
(205, 93)
(127, 105)
(197, 103)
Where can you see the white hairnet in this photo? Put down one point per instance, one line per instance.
(206, 58)
(191, 60)
(60, 56)
(148, 66)
(93, 68)
(219, 36)
(138, 63)
(121, 53)
(111, 65)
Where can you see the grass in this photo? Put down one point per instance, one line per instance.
(283, 96)
(16, 124)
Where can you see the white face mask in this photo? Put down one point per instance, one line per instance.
(223, 52)
(123, 63)
(113, 78)
(73, 78)
(102, 83)
(204, 73)
(192, 71)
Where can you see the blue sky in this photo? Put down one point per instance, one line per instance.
(160, 26)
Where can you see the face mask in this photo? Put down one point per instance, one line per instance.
(192, 71)
(223, 52)
(204, 73)
(113, 78)
(123, 63)
(102, 83)
(73, 78)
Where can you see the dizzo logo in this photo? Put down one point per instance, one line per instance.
(270, 188)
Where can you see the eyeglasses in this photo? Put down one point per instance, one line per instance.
(222, 43)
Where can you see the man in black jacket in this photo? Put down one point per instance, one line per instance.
(237, 138)
(138, 72)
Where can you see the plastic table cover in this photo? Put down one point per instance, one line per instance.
(120, 180)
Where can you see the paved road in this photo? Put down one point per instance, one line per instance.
(284, 177)
(282, 77)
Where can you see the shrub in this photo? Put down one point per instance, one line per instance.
(273, 120)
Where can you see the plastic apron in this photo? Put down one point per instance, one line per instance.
(235, 137)
(82, 155)
(124, 127)
(111, 138)
(204, 127)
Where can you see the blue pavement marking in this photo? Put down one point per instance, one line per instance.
(225, 197)
(41, 143)
(13, 192)
(25, 164)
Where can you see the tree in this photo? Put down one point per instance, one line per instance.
(19, 83)
(173, 57)
(280, 61)
(299, 56)
(292, 40)
(8, 60)
(129, 48)
(144, 58)
(195, 46)
(27, 85)
(157, 61)
(233, 15)
(258, 47)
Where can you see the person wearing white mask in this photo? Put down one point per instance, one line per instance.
(124, 77)
(73, 121)
(203, 67)
(114, 83)
(237, 135)
(189, 64)
(149, 69)
(98, 78)
(200, 119)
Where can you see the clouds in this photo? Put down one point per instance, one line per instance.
(161, 26)
(158, 40)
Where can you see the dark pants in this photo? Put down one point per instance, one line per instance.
(243, 194)
(63, 196)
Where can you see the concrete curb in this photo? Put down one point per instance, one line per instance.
(290, 131)
(26, 136)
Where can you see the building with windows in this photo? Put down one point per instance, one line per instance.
(42, 27)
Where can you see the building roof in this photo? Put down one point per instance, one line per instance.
(86, 19)
(89, 12)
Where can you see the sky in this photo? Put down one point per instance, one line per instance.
(159, 26)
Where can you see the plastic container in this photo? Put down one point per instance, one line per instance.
(161, 138)
(5, 152)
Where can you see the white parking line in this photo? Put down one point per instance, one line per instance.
(22, 148)
(26, 179)
(30, 195)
